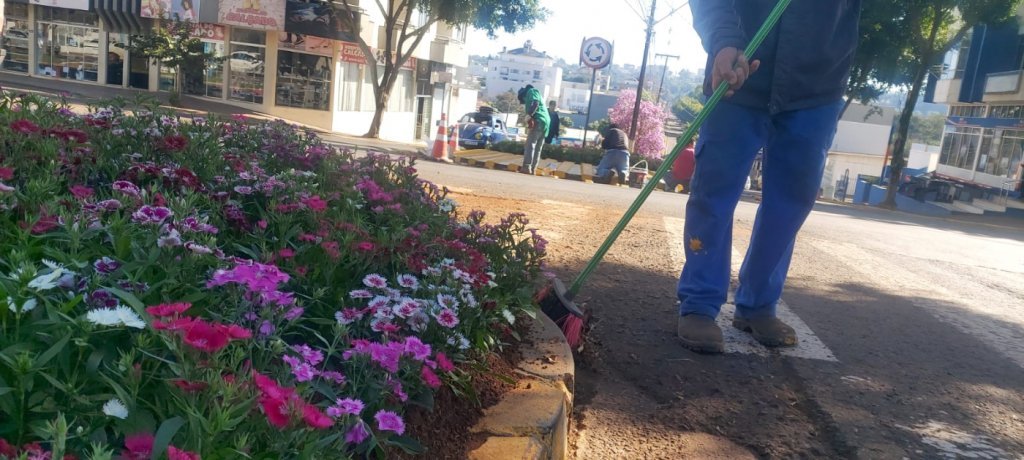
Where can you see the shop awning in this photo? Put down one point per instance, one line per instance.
(122, 16)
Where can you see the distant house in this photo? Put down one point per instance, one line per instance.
(862, 137)
(514, 69)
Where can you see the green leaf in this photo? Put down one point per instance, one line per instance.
(49, 354)
(164, 435)
(129, 299)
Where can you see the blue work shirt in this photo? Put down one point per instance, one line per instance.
(805, 60)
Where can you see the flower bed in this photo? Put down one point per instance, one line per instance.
(223, 289)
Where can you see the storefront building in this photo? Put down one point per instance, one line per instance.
(288, 58)
(983, 141)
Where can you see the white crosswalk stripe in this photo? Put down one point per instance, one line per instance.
(809, 346)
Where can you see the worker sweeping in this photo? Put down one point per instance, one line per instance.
(785, 98)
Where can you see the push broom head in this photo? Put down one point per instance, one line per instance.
(556, 302)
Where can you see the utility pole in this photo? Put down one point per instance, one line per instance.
(663, 71)
(651, 22)
(643, 72)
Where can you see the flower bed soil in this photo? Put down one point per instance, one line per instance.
(445, 431)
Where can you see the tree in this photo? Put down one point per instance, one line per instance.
(173, 45)
(927, 129)
(936, 26)
(686, 109)
(650, 139)
(881, 59)
(564, 123)
(402, 35)
(505, 102)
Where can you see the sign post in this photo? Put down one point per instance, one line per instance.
(595, 53)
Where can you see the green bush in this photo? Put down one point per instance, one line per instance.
(589, 155)
(555, 152)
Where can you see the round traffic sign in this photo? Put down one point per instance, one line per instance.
(596, 53)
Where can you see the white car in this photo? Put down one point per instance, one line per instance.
(244, 61)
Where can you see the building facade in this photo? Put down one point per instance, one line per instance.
(983, 141)
(318, 74)
(859, 145)
(514, 69)
(574, 97)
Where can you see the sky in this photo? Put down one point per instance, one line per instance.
(572, 20)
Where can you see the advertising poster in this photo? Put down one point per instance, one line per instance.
(305, 43)
(253, 14)
(206, 31)
(317, 19)
(180, 10)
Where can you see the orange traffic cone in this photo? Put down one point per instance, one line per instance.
(440, 148)
(453, 140)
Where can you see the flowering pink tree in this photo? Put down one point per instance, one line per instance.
(650, 137)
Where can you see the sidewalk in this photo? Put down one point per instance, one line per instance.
(80, 95)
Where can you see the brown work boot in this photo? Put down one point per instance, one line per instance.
(613, 178)
(700, 333)
(768, 330)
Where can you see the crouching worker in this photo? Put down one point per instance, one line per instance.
(614, 166)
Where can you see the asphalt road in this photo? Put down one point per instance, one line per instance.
(911, 329)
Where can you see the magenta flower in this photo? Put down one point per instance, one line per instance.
(109, 205)
(416, 348)
(24, 126)
(387, 356)
(170, 240)
(315, 204)
(302, 371)
(106, 265)
(389, 421)
(407, 308)
(293, 313)
(408, 281)
(244, 190)
(348, 316)
(151, 214)
(447, 318)
(375, 281)
(81, 192)
(168, 309)
(127, 188)
(198, 248)
(357, 434)
(267, 328)
(310, 355)
(430, 378)
(649, 142)
(360, 294)
(334, 376)
(347, 406)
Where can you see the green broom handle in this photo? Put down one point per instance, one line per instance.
(769, 24)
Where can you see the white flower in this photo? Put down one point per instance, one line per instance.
(26, 307)
(115, 408)
(47, 281)
(446, 205)
(508, 316)
(119, 316)
(129, 318)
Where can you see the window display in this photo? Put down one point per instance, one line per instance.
(246, 65)
(303, 80)
(68, 44)
(16, 37)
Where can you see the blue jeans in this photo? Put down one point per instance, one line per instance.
(796, 145)
(614, 159)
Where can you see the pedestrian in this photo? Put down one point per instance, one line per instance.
(555, 125)
(537, 127)
(786, 98)
(682, 169)
(614, 165)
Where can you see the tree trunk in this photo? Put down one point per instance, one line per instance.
(900, 142)
(846, 105)
(378, 118)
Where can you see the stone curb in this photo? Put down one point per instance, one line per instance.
(532, 421)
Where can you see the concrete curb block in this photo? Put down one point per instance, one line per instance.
(532, 420)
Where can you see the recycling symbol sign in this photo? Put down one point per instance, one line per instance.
(596, 53)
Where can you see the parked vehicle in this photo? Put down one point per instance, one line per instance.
(480, 129)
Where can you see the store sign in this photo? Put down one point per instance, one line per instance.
(350, 52)
(72, 4)
(253, 14)
(207, 31)
(319, 19)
